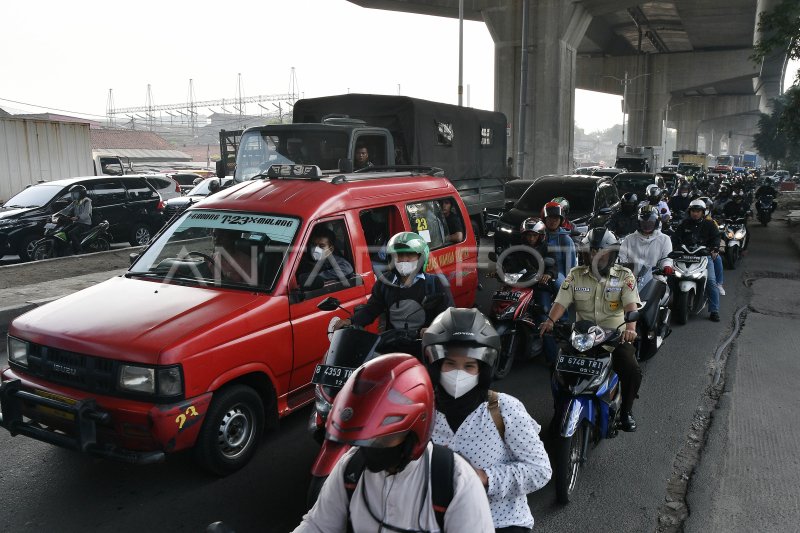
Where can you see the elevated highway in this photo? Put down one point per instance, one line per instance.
(685, 63)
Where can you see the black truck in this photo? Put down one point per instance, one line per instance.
(469, 145)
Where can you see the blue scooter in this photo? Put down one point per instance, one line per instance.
(587, 396)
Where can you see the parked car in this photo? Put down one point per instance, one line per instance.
(637, 182)
(591, 200)
(131, 206)
(179, 353)
(174, 206)
(186, 180)
(164, 185)
(513, 191)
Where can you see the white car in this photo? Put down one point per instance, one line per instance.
(164, 185)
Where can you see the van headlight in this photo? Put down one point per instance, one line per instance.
(161, 381)
(18, 351)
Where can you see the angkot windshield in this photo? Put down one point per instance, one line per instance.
(220, 248)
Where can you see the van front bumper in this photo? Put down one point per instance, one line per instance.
(113, 428)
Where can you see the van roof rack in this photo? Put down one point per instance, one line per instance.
(367, 173)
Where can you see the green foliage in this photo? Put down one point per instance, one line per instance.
(781, 29)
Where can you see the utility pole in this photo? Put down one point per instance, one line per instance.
(460, 52)
(110, 108)
(523, 93)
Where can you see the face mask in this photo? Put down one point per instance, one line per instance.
(458, 382)
(317, 253)
(380, 459)
(406, 268)
(684, 194)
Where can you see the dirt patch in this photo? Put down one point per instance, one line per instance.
(64, 267)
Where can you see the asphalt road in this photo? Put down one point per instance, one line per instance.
(620, 489)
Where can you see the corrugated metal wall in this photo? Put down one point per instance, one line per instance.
(33, 150)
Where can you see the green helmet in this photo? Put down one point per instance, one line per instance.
(408, 241)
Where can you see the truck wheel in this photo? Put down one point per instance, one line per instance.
(140, 234)
(231, 431)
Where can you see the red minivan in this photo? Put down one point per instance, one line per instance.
(213, 334)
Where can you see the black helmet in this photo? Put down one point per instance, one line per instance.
(649, 219)
(600, 239)
(467, 331)
(213, 186)
(79, 189)
(737, 196)
(629, 203)
(653, 192)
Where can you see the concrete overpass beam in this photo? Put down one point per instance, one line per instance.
(554, 33)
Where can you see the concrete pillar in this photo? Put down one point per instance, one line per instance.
(648, 97)
(554, 33)
(687, 134)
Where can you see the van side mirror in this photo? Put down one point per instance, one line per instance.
(329, 304)
(345, 165)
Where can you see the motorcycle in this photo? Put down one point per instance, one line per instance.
(587, 396)
(765, 206)
(734, 235)
(515, 316)
(653, 327)
(689, 282)
(56, 241)
(350, 348)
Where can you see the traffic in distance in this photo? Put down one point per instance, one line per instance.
(339, 266)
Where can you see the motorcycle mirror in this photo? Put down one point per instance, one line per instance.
(631, 316)
(329, 304)
(492, 256)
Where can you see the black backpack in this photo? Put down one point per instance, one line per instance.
(442, 468)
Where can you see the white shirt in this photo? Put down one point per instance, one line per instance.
(401, 500)
(646, 250)
(515, 467)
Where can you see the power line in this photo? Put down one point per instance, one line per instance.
(50, 108)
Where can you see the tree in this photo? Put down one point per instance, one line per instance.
(770, 141)
(781, 30)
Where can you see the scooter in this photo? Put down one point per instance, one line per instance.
(653, 327)
(587, 396)
(689, 282)
(56, 241)
(734, 234)
(350, 348)
(515, 316)
(765, 205)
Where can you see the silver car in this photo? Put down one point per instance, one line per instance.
(164, 185)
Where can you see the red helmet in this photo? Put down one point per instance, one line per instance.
(552, 209)
(387, 397)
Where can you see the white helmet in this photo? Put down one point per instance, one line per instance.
(697, 204)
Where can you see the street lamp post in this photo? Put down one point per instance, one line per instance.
(624, 82)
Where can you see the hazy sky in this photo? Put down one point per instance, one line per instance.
(66, 55)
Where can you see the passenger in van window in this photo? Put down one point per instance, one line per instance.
(455, 228)
(232, 263)
(375, 224)
(361, 157)
(322, 261)
(399, 294)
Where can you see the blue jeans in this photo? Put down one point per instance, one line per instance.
(718, 270)
(711, 288)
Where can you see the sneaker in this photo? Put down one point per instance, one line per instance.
(721, 290)
(714, 316)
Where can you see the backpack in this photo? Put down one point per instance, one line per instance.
(430, 289)
(442, 468)
(497, 417)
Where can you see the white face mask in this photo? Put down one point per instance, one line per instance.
(458, 382)
(317, 253)
(406, 268)
(684, 194)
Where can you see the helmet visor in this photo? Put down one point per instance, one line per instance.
(382, 441)
(436, 352)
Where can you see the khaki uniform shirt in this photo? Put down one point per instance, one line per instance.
(601, 301)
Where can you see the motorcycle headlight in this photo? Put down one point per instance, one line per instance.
(729, 234)
(508, 313)
(739, 234)
(166, 381)
(582, 341)
(18, 351)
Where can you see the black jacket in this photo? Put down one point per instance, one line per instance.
(515, 262)
(734, 210)
(701, 232)
(622, 224)
(385, 294)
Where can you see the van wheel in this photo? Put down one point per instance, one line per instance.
(231, 431)
(140, 235)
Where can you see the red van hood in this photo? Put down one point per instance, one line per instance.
(131, 319)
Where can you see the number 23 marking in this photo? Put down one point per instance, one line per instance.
(422, 224)
(181, 419)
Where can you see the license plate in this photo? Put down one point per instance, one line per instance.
(579, 365)
(508, 296)
(51, 410)
(690, 259)
(332, 376)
